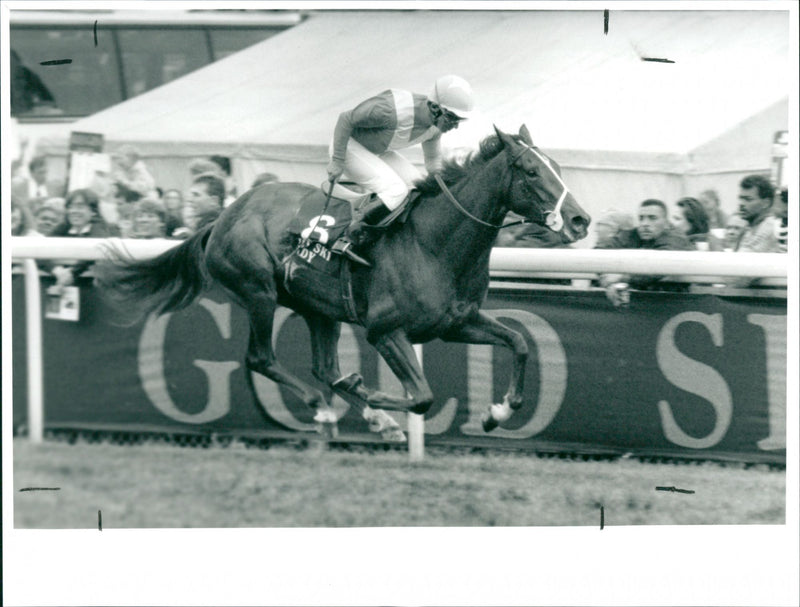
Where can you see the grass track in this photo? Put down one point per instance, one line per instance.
(152, 485)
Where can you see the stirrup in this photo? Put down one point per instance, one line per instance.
(345, 247)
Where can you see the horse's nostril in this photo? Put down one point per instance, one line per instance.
(579, 222)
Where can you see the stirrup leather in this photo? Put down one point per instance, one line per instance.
(343, 246)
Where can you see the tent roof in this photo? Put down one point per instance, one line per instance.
(574, 86)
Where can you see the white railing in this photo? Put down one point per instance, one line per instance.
(530, 261)
(695, 263)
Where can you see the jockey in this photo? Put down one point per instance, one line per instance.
(366, 140)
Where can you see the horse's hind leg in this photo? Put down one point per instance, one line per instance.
(249, 280)
(261, 356)
(324, 339)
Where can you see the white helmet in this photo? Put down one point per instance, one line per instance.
(453, 93)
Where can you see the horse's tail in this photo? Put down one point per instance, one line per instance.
(171, 281)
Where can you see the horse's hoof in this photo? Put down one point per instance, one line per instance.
(393, 435)
(489, 423)
(328, 430)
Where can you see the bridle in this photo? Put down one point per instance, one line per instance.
(552, 219)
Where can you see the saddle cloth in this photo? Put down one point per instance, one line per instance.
(312, 268)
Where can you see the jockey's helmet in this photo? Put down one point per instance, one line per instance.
(453, 93)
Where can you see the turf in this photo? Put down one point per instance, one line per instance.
(166, 486)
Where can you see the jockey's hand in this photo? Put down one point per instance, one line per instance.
(618, 293)
(335, 170)
(63, 276)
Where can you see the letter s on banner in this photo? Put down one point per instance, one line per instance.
(151, 368)
(552, 377)
(695, 377)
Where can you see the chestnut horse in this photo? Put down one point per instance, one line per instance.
(429, 275)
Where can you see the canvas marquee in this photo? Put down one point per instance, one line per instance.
(665, 103)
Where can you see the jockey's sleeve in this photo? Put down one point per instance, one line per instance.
(375, 113)
(432, 151)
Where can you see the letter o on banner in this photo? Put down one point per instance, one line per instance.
(269, 395)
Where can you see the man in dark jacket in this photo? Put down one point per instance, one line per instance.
(652, 232)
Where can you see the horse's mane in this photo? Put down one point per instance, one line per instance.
(454, 170)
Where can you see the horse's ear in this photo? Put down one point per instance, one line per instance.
(525, 134)
(507, 140)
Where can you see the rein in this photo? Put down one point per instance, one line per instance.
(552, 218)
(457, 205)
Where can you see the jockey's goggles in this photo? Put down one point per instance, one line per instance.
(451, 116)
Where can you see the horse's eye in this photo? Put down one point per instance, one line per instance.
(533, 173)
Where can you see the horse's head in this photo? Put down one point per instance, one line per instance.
(537, 191)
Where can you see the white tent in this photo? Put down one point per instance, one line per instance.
(623, 127)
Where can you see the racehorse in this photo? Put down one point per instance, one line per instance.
(428, 279)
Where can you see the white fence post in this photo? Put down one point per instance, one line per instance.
(33, 315)
(416, 425)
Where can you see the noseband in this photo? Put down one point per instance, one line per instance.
(552, 219)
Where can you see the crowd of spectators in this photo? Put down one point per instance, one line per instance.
(760, 224)
(128, 203)
(125, 202)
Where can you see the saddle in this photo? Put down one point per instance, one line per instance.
(324, 223)
(316, 226)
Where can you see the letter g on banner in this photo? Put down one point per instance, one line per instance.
(151, 368)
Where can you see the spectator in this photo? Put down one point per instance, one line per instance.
(124, 199)
(691, 220)
(610, 223)
(263, 178)
(131, 172)
(756, 195)
(780, 208)
(224, 164)
(48, 218)
(717, 219)
(733, 232)
(83, 217)
(83, 220)
(173, 205)
(38, 188)
(22, 221)
(652, 232)
(149, 219)
(206, 197)
(203, 166)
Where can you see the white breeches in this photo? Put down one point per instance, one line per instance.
(389, 175)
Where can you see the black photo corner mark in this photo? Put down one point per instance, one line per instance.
(56, 62)
(40, 489)
(602, 518)
(94, 31)
(605, 22)
(657, 60)
(99, 520)
(675, 490)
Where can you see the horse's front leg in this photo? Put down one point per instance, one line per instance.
(485, 330)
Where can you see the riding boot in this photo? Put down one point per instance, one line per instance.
(372, 214)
